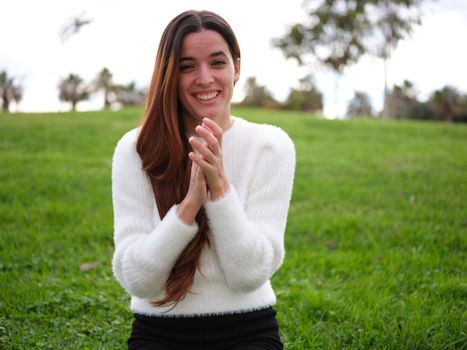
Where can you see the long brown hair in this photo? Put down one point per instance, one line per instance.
(163, 146)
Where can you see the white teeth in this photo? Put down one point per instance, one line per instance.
(205, 97)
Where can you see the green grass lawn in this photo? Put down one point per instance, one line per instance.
(375, 242)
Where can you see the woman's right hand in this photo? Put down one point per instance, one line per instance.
(196, 196)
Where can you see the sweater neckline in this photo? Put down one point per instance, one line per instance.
(232, 130)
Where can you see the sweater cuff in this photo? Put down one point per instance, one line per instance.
(213, 204)
(191, 227)
(171, 233)
(182, 224)
(226, 213)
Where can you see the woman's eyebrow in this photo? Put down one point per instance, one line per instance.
(218, 53)
(214, 54)
(188, 58)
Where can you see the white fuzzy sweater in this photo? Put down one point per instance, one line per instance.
(247, 226)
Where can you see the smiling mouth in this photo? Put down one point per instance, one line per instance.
(207, 96)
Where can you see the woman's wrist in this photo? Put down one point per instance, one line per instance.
(217, 192)
(186, 211)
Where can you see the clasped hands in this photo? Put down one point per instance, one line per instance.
(207, 177)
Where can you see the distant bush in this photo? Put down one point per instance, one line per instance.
(306, 97)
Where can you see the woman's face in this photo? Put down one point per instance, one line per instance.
(207, 74)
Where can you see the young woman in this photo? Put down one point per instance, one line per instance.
(200, 201)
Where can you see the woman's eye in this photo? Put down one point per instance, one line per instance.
(218, 63)
(186, 67)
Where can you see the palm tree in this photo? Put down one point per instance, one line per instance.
(9, 91)
(104, 82)
(73, 90)
(359, 105)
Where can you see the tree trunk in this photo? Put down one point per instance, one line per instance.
(386, 114)
(5, 101)
(106, 99)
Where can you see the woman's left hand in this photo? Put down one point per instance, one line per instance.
(208, 156)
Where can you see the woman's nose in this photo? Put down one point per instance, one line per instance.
(204, 76)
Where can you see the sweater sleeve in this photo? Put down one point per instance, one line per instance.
(146, 248)
(250, 239)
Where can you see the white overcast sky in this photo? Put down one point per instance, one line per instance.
(124, 37)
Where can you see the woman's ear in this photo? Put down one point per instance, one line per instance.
(237, 70)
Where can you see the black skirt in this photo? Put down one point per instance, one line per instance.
(254, 330)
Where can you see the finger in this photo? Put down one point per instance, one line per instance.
(202, 149)
(197, 173)
(210, 139)
(194, 167)
(215, 129)
(199, 160)
(204, 125)
(194, 172)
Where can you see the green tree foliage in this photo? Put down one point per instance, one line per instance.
(359, 105)
(402, 103)
(421, 110)
(339, 32)
(73, 90)
(401, 100)
(306, 98)
(445, 104)
(449, 104)
(10, 91)
(257, 95)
